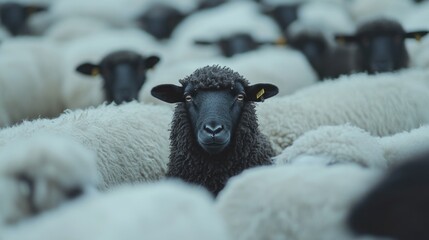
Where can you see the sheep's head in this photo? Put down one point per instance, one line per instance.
(123, 72)
(214, 98)
(14, 16)
(382, 45)
(160, 20)
(235, 44)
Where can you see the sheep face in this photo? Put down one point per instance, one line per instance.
(382, 45)
(234, 44)
(160, 20)
(397, 207)
(283, 15)
(123, 72)
(14, 16)
(214, 113)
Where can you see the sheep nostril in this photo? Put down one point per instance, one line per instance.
(74, 193)
(213, 130)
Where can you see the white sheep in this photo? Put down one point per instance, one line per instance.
(382, 104)
(80, 91)
(159, 211)
(348, 144)
(338, 145)
(30, 79)
(131, 140)
(300, 202)
(362, 10)
(222, 21)
(41, 173)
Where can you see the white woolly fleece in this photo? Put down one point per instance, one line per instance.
(300, 202)
(160, 211)
(54, 166)
(131, 140)
(340, 144)
(382, 105)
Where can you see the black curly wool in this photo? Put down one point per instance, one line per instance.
(249, 147)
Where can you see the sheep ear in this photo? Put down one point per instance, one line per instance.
(89, 69)
(343, 39)
(260, 92)
(416, 35)
(29, 10)
(282, 41)
(151, 61)
(168, 93)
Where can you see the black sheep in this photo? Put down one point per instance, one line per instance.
(123, 72)
(397, 207)
(214, 132)
(381, 44)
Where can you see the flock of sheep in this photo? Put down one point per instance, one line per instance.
(214, 119)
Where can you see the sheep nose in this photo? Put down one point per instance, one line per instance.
(213, 129)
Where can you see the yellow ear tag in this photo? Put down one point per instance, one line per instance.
(340, 40)
(260, 93)
(95, 72)
(281, 41)
(418, 37)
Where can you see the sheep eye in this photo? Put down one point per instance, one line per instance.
(240, 97)
(188, 98)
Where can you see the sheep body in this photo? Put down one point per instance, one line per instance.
(299, 202)
(30, 66)
(131, 140)
(383, 104)
(42, 172)
(160, 211)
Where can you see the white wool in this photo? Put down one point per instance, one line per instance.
(362, 10)
(54, 165)
(300, 202)
(222, 21)
(341, 144)
(131, 140)
(160, 211)
(405, 145)
(81, 91)
(30, 79)
(382, 105)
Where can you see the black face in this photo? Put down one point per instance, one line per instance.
(160, 21)
(206, 4)
(313, 47)
(383, 52)
(14, 16)
(284, 15)
(124, 74)
(214, 114)
(397, 207)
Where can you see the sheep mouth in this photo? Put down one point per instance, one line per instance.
(214, 147)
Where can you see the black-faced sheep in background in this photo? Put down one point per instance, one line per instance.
(14, 16)
(381, 44)
(235, 44)
(397, 207)
(214, 131)
(123, 72)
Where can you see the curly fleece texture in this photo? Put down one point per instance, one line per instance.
(249, 147)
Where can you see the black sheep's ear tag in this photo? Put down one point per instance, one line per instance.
(168, 93)
(282, 41)
(151, 61)
(417, 35)
(260, 92)
(88, 69)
